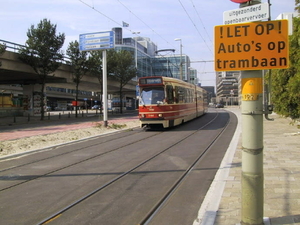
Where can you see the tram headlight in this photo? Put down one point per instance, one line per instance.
(160, 115)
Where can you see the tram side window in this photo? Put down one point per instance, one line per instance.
(180, 94)
(189, 96)
(170, 95)
(199, 94)
(193, 96)
(176, 95)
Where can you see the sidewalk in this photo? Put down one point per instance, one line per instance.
(281, 178)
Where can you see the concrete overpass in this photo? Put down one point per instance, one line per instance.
(14, 71)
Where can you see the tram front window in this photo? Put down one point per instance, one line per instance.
(152, 96)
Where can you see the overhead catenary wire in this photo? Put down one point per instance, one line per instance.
(92, 7)
(118, 23)
(144, 22)
(130, 11)
(204, 28)
(195, 26)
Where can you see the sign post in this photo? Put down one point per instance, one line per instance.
(94, 42)
(251, 48)
(104, 80)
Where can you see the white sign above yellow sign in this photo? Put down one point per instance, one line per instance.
(247, 14)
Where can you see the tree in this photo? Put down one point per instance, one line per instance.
(120, 65)
(2, 50)
(286, 82)
(95, 69)
(42, 52)
(297, 3)
(79, 65)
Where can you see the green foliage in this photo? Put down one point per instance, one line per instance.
(286, 82)
(117, 126)
(111, 126)
(120, 66)
(95, 69)
(42, 48)
(78, 61)
(2, 50)
(42, 52)
(95, 64)
(79, 65)
(297, 3)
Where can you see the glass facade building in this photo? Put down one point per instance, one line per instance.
(149, 63)
(169, 66)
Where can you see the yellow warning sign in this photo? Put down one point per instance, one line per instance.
(251, 88)
(252, 46)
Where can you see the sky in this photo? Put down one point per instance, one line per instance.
(162, 21)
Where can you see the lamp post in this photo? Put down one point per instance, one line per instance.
(135, 46)
(179, 39)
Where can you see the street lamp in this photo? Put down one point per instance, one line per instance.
(136, 50)
(179, 39)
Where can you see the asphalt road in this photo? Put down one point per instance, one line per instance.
(117, 178)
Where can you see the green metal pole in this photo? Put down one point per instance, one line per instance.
(252, 146)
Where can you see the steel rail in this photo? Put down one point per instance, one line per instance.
(60, 212)
(73, 164)
(179, 181)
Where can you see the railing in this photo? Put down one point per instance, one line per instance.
(16, 47)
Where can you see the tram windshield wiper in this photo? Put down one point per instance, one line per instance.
(159, 103)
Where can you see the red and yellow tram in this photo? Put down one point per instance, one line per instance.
(168, 102)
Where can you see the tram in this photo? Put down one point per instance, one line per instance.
(167, 102)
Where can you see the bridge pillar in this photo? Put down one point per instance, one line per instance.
(32, 99)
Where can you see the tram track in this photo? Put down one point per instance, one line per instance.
(63, 153)
(147, 219)
(130, 167)
(67, 166)
(163, 199)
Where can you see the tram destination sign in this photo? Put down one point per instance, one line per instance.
(151, 80)
(252, 46)
(96, 41)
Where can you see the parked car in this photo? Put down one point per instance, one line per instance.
(60, 108)
(96, 107)
(219, 105)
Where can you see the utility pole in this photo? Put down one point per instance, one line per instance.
(136, 53)
(105, 101)
(181, 69)
(257, 54)
(252, 144)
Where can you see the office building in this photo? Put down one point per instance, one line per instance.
(149, 61)
(227, 85)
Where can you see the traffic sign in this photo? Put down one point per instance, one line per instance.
(252, 46)
(247, 14)
(96, 41)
